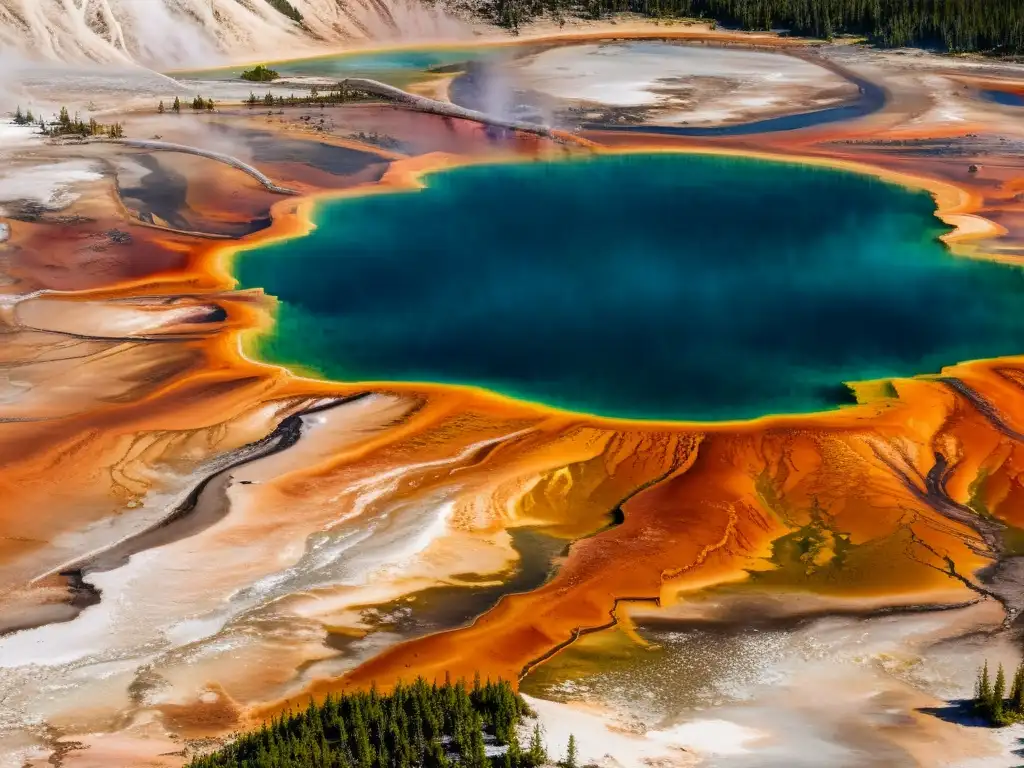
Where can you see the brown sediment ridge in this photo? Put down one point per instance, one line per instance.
(878, 500)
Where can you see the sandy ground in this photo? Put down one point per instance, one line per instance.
(51, 186)
(606, 739)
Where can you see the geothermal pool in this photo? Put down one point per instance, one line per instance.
(393, 66)
(674, 84)
(1005, 98)
(649, 286)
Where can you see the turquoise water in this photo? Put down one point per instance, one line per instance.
(645, 286)
(393, 66)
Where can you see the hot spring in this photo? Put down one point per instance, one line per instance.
(651, 286)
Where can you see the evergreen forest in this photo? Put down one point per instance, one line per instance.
(995, 26)
(415, 725)
(990, 696)
(260, 74)
(65, 125)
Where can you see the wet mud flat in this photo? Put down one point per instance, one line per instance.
(160, 196)
(870, 100)
(957, 146)
(886, 672)
(445, 608)
(275, 148)
(197, 194)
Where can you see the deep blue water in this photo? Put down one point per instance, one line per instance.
(1006, 98)
(647, 286)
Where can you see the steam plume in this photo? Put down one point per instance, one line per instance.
(193, 33)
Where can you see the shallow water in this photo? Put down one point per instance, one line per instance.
(649, 286)
(445, 607)
(391, 66)
(1006, 98)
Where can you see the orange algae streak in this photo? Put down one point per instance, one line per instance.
(805, 509)
(808, 509)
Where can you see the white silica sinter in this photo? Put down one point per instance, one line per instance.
(189, 33)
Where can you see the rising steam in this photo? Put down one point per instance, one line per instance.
(193, 33)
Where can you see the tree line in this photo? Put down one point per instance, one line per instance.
(990, 697)
(418, 725)
(198, 104)
(995, 26)
(335, 94)
(66, 125)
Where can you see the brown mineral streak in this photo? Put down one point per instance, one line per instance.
(702, 504)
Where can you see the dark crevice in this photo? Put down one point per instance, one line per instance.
(950, 570)
(617, 518)
(984, 407)
(931, 491)
(184, 520)
(181, 523)
(579, 632)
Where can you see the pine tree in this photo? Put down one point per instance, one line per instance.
(477, 757)
(1017, 691)
(435, 757)
(160, 108)
(998, 694)
(362, 749)
(983, 692)
(19, 117)
(514, 753)
(536, 754)
(65, 118)
(176, 106)
(571, 758)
